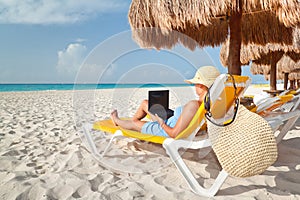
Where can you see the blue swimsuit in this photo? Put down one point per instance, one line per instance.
(154, 128)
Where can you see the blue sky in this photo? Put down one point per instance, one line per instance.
(65, 41)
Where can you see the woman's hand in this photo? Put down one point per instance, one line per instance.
(159, 120)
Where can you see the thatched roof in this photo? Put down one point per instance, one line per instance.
(260, 69)
(294, 75)
(206, 21)
(280, 76)
(265, 70)
(287, 65)
(284, 65)
(260, 53)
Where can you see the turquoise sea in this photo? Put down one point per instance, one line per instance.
(45, 87)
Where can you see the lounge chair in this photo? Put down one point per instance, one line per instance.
(283, 107)
(271, 103)
(222, 90)
(288, 113)
(294, 92)
(286, 101)
(222, 98)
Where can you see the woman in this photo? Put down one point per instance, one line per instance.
(203, 79)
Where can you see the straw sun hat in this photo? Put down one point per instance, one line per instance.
(205, 75)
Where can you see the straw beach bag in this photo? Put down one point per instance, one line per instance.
(245, 146)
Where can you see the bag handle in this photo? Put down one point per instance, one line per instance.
(208, 114)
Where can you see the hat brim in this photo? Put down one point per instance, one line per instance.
(189, 81)
(193, 81)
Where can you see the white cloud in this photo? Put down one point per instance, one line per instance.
(79, 40)
(55, 11)
(70, 59)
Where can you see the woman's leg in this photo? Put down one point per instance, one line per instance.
(142, 111)
(135, 125)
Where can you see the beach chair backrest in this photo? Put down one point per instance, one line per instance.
(197, 121)
(281, 100)
(223, 96)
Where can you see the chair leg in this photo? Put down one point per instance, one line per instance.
(290, 122)
(117, 134)
(289, 118)
(297, 103)
(91, 142)
(172, 147)
(92, 147)
(288, 125)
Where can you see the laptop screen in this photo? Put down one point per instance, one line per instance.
(158, 103)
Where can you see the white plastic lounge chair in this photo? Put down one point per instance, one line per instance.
(283, 109)
(223, 91)
(288, 113)
(271, 103)
(295, 92)
(286, 101)
(221, 94)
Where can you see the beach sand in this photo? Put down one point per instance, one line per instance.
(43, 157)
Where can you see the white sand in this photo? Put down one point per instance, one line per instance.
(43, 157)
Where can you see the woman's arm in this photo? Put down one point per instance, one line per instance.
(184, 119)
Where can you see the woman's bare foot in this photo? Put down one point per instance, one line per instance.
(113, 116)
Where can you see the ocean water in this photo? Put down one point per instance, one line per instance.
(45, 87)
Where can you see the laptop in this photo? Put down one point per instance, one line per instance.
(158, 103)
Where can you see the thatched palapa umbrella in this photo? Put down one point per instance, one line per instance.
(251, 51)
(210, 22)
(268, 54)
(288, 66)
(273, 60)
(285, 67)
(294, 77)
